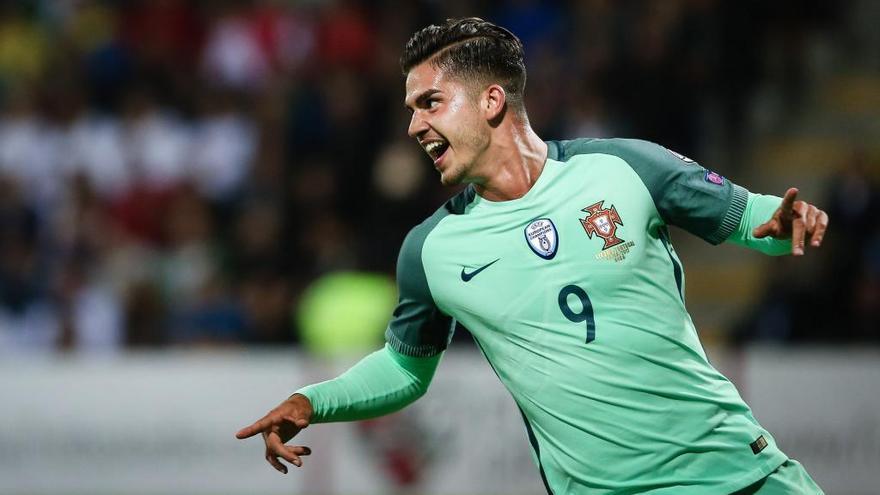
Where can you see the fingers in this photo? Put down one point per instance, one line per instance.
(259, 426)
(798, 226)
(819, 231)
(297, 450)
(788, 200)
(273, 460)
(291, 454)
(765, 229)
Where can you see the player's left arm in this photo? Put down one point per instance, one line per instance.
(775, 225)
(715, 209)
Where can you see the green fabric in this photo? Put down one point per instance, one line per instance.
(678, 185)
(789, 479)
(760, 208)
(593, 340)
(594, 343)
(417, 327)
(381, 383)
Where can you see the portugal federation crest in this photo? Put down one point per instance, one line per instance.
(603, 222)
(542, 237)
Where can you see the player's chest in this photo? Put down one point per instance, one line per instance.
(499, 261)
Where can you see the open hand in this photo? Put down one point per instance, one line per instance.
(796, 220)
(279, 426)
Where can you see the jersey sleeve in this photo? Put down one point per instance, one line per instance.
(685, 194)
(760, 208)
(381, 383)
(418, 328)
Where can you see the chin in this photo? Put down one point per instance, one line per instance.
(450, 178)
(452, 175)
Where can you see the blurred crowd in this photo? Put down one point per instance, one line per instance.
(178, 172)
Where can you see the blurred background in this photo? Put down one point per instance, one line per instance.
(201, 185)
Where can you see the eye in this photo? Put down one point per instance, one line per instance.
(432, 103)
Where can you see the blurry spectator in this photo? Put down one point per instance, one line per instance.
(233, 56)
(189, 260)
(345, 36)
(840, 302)
(852, 282)
(286, 35)
(27, 319)
(94, 32)
(97, 152)
(267, 299)
(24, 44)
(213, 318)
(31, 147)
(90, 314)
(257, 243)
(146, 320)
(538, 24)
(165, 34)
(157, 141)
(223, 147)
(177, 172)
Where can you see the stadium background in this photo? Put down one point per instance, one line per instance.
(190, 192)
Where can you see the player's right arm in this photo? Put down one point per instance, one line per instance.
(383, 382)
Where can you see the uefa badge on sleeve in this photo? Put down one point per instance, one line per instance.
(542, 237)
(714, 178)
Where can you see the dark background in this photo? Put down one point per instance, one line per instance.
(178, 173)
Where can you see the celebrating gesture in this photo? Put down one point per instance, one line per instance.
(278, 427)
(795, 220)
(556, 257)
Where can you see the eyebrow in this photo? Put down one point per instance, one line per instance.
(420, 100)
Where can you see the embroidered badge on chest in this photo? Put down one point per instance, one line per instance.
(542, 237)
(603, 222)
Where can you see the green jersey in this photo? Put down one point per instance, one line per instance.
(575, 295)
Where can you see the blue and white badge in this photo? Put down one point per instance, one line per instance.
(542, 237)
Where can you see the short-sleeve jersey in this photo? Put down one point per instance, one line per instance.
(574, 294)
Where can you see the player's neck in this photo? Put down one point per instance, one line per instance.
(513, 163)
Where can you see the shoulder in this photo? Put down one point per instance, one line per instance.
(654, 164)
(633, 151)
(415, 239)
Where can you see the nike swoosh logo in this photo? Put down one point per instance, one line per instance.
(466, 277)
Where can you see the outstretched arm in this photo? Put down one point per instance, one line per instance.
(379, 384)
(779, 226)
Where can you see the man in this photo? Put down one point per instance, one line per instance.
(557, 258)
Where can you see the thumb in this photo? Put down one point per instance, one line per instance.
(763, 230)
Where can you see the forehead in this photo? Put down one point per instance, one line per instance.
(423, 78)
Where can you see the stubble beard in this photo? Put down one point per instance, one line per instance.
(462, 171)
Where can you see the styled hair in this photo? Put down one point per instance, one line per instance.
(473, 50)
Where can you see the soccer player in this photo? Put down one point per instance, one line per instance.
(557, 258)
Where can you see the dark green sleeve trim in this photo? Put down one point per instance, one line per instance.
(733, 216)
(418, 328)
(684, 193)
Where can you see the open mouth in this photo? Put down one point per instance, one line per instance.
(436, 149)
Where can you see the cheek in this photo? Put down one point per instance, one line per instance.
(465, 128)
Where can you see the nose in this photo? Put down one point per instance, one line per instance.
(417, 125)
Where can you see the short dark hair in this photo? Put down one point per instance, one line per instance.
(473, 49)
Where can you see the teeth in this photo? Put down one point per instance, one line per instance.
(433, 146)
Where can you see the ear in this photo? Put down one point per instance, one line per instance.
(493, 102)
